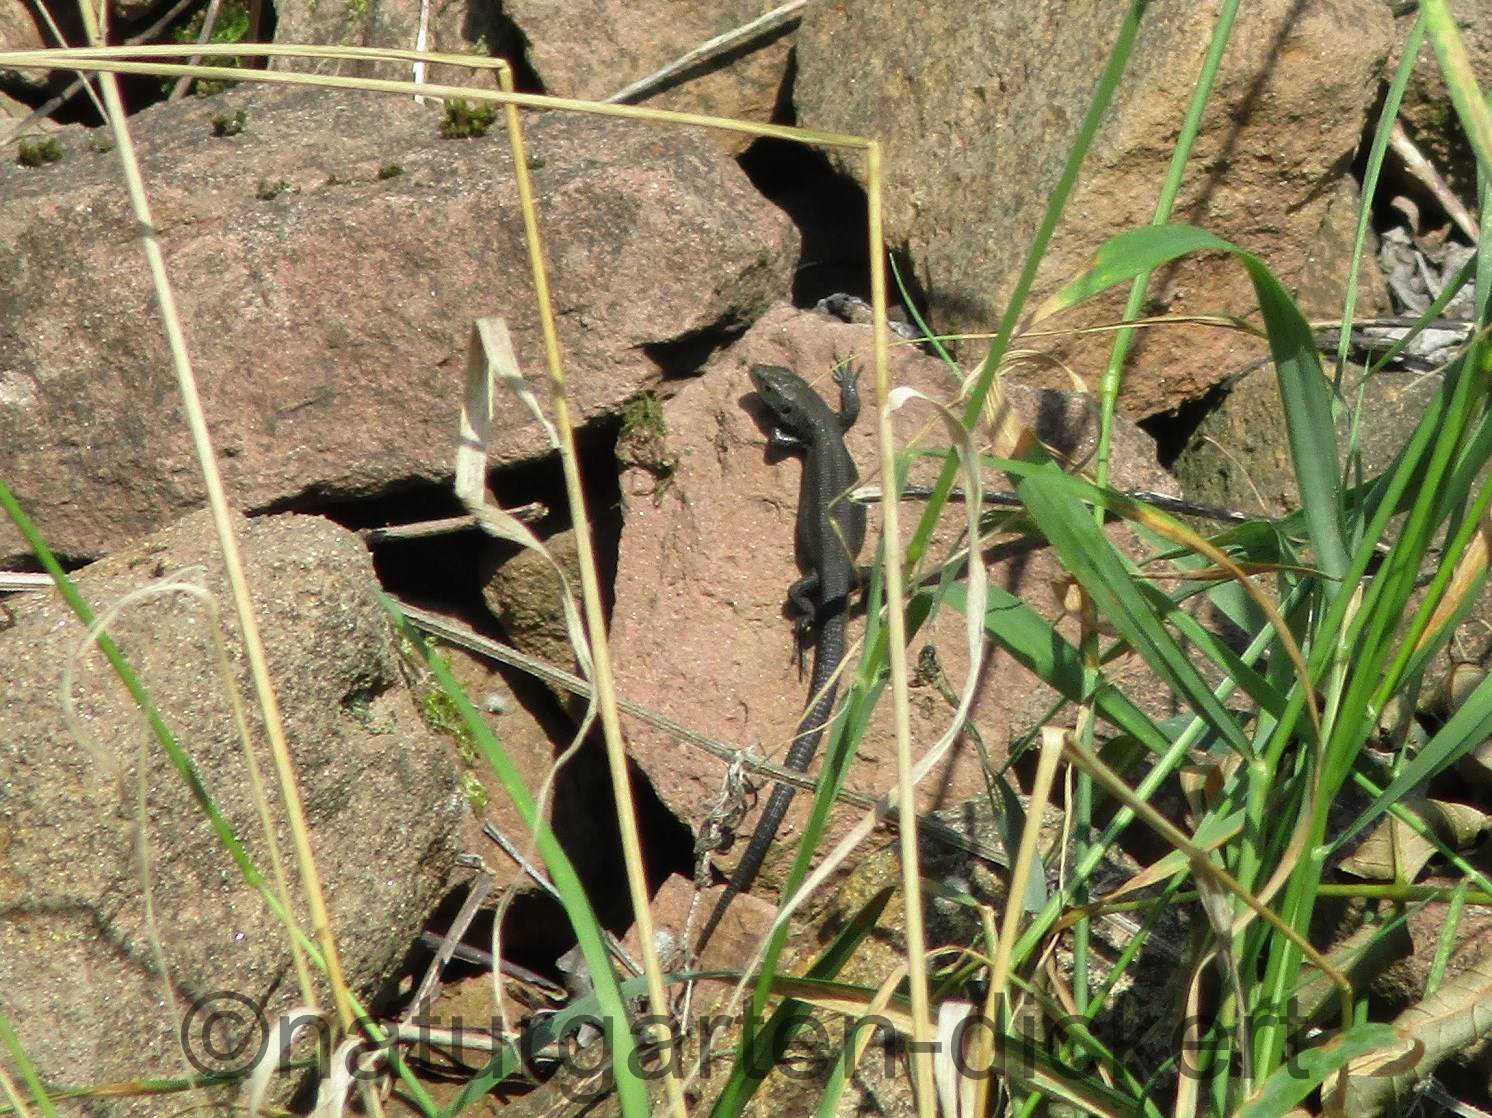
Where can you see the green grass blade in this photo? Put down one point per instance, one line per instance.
(181, 761)
(1124, 40)
(1131, 254)
(1250, 682)
(1089, 556)
(1294, 1080)
(1386, 117)
(1304, 390)
(1191, 125)
(1468, 727)
(27, 1070)
(167, 740)
(1032, 642)
(1460, 79)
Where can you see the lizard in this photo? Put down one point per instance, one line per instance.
(829, 535)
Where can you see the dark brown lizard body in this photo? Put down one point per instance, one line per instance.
(830, 533)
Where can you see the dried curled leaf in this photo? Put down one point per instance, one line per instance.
(1395, 851)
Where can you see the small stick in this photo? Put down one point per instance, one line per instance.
(1425, 173)
(446, 945)
(209, 23)
(425, 528)
(707, 50)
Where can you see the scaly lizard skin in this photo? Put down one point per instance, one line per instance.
(830, 533)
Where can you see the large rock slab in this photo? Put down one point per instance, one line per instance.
(972, 158)
(699, 631)
(329, 261)
(82, 984)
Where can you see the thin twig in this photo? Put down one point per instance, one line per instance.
(424, 529)
(209, 24)
(710, 48)
(1424, 172)
(475, 956)
(446, 946)
(510, 848)
(872, 494)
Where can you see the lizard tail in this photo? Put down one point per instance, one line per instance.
(823, 688)
(751, 859)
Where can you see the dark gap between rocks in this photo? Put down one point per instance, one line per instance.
(684, 357)
(507, 41)
(443, 573)
(1173, 430)
(827, 207)
(537, 932)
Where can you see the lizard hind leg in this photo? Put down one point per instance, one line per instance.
(802, 597)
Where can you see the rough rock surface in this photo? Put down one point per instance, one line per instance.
(573, 61)
(699, 631)
(523, 592)
(1239, 455)
(81, 983)
(971, 159)
(328, 308)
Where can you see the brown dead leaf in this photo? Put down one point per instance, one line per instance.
(1395, 851)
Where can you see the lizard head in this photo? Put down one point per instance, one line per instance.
(779, 390)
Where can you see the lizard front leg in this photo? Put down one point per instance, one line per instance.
(848, 379)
